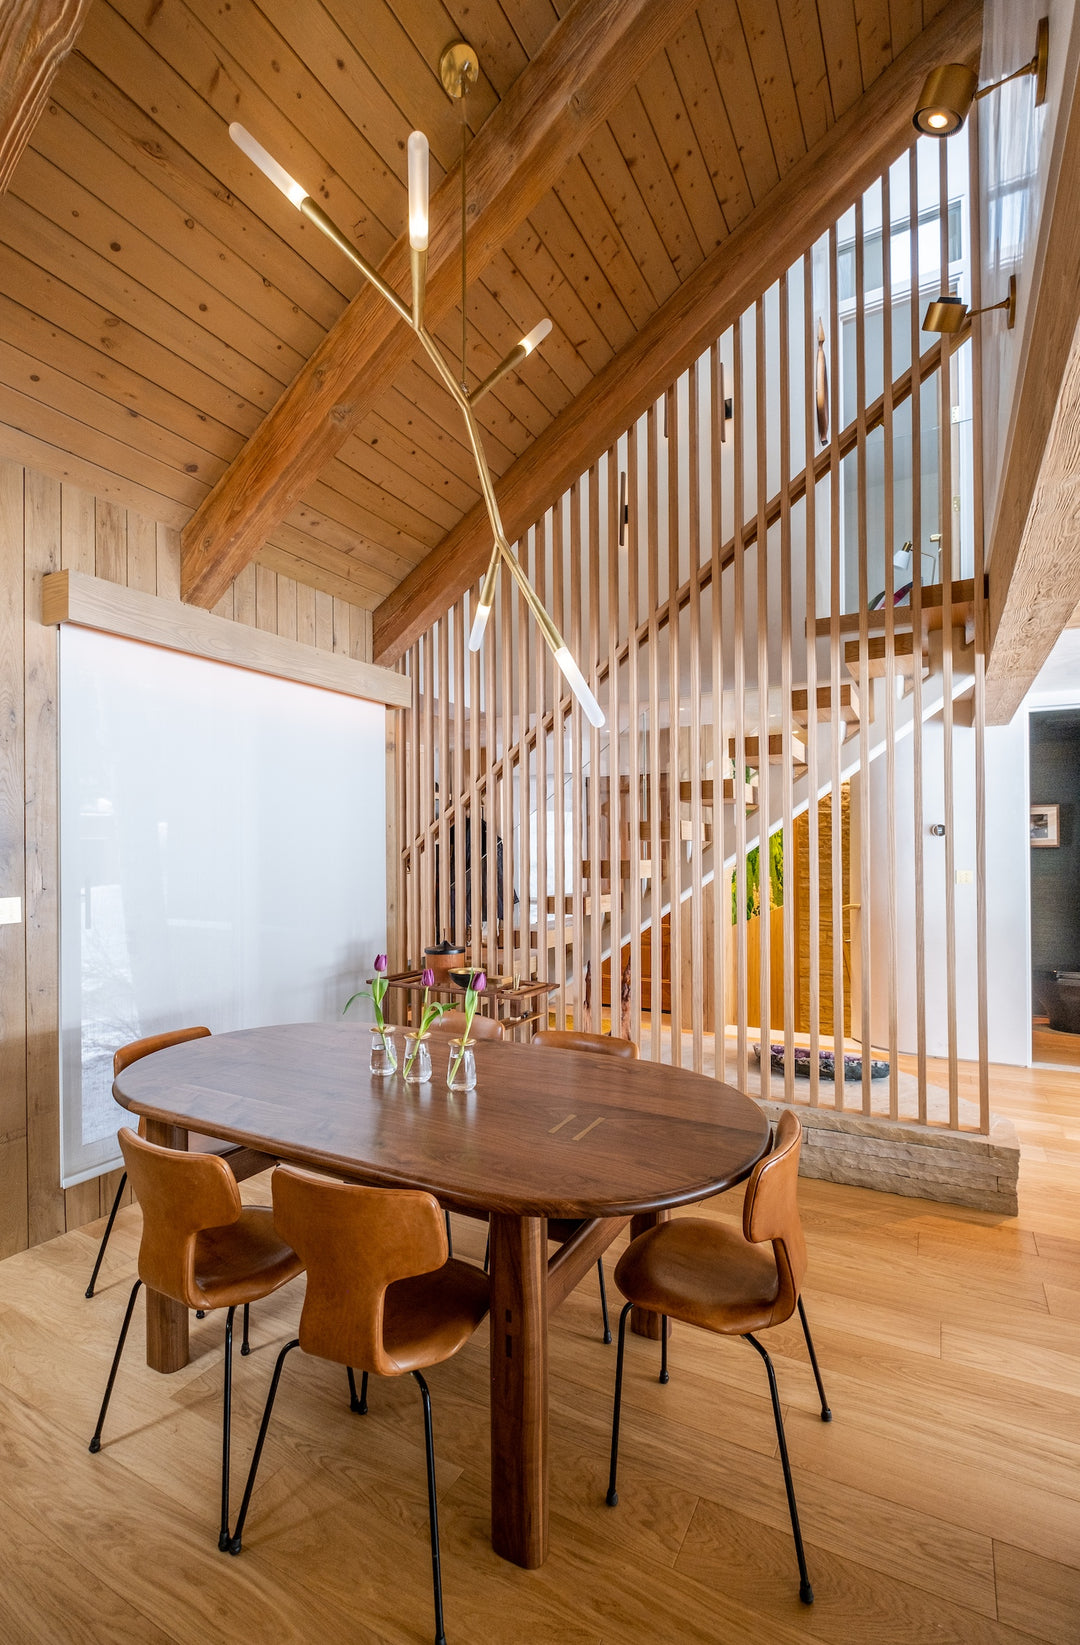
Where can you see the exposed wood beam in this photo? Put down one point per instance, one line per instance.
(35, 37)
(790, 218)
(1034, 549)
(594, 53)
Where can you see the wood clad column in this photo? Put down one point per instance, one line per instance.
(166, 1320)
(519, 1389)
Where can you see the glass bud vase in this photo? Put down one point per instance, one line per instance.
(417, 1064)
(461, 1069)
(383, 1059)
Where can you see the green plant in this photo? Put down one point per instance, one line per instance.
(753, 879)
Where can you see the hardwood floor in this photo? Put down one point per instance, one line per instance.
(942, 1504)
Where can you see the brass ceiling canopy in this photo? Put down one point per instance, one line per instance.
(949, 90)
(458, 69)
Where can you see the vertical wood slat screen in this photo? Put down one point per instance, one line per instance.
(739, 858)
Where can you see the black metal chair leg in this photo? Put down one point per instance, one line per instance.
(826, 1414)
(603, 1300)
(95, 1443)
(449, 1232)
(612, 1493)
(200, 1313)
(357, 1405)
(245, 1346)
(806, 1593)
(663, 1348)
(105, 1235)
(433, 1511)
(235, 1543)
(226, 1428)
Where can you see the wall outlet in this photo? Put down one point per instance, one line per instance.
(10, 910)
(964, 876)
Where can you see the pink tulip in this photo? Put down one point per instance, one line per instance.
(479, 982)
(380, 962)
(428, 977)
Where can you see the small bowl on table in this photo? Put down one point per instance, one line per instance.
(463, 975)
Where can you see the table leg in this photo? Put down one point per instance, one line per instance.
(519, 1389)
(642, 1321)
(166, 1320)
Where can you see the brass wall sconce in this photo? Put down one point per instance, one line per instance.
(948, 313)
(951, 88)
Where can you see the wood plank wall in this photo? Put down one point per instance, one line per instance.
(725, 576)
(47, 525)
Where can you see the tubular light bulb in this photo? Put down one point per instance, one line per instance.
(536, 336)
(575, 679)
(418, 191)
(476, 637)
(290, 188)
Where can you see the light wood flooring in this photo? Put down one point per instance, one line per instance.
(941, 1505)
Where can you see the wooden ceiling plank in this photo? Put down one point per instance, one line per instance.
(806, 55)
(776, 87)
(44, 241)
(347, 496)
(432, 443)
(533, 393)
(528, 255)
(823, 183)
(363, 562)
(662, 101)
(616, 184)
(632, 129)
(513, 291)
(265, 87)
(94, 165)
(375, 453)
(532, 22)
(875, 38)
(840, 37)
(58, 426)
(35, 38)
(568, 247)
(600, 46)
(486, 27)
(86, 404)
(430, 28)
(349, 552)
(588, 211)
(689, 59)
(122, 63)
(422, 392)
(459, 490)
(36, 287)
(61, 463)
(68, 366)
(310, 574)
(139, 259)
(725, 42)
(905, 21)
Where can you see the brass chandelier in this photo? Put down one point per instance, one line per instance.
(458, 68)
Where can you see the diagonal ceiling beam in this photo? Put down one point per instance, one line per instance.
(593, 55)
(35, 37)
(808, 200)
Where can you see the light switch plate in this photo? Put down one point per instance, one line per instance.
(10, 910)
(964, 876)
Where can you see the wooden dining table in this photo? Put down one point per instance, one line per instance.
(546, 1133)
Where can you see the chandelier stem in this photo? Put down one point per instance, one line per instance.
(464, 258)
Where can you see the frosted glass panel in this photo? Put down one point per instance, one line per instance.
(222, 859)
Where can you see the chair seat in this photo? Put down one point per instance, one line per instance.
(428, 1317)
(243, 1261)
(703, 1274)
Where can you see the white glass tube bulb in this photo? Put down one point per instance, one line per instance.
(476, 636)
(418, 191)
(575, 679)
(536, 336)
(290, 188)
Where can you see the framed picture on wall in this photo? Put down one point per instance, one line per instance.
(1044, 825)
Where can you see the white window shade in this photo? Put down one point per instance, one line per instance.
(222, 859)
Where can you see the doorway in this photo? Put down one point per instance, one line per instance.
(1054, 765)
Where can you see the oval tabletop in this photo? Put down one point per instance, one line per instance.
(545, 1133)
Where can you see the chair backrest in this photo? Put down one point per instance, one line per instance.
(180, 1194)
(452, 1023)
(354, 1243)
(771, 1212)
(573, 1039)
(127, 1054)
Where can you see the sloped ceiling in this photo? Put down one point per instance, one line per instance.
(157, 296)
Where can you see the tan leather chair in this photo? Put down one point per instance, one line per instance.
(704, 1274)
(204, 1249)
(381, 1295)
(560, 1229)
(573, 1039)
(243, 1162)
(452, 1025)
